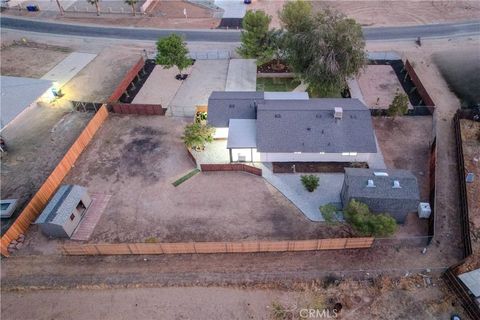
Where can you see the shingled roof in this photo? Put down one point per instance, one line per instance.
(310, 126)
(223, 106)
(356, 181)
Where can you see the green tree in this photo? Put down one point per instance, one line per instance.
(366, 223)
(324, 49)
(95, 3)
(296, 16)
(278, 44)
(310, 182)
(399, 105)
(132, 4)
(329, 214)
(173, 51)
(256, 38)
(197, 135)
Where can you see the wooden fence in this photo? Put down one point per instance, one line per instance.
(46, 191)
(419, 85)
(231, 167)
(141, 109)
(215, 247)
(125, 83)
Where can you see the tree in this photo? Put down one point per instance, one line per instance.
(95, 3)
(323, 48)
(329, 214)
(399, 105)
(277, 43)
(173, 51)
(296, 16)
(197, 135)
(60, 7)
(366, 223)
(255, 38)
(310, 182)
(132, 3)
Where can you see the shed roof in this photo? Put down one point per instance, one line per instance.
(63, 203)
(242, 133)
(472, 281)
(310, 126)
(286, 95)
(17, 94)
(356, 180)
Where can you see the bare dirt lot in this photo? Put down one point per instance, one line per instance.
(387, 12)
(96, 82)
(379, 84)
(471, 151)
(36, 140)
(384, 298)
(31, 60)
(136, 158)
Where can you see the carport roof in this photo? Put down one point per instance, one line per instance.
(242, 133)
(17, 94)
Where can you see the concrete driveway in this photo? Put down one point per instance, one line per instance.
(206, 76)
(242, 75)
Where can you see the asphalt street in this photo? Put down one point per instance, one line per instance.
(470, 28)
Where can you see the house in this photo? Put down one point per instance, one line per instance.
(384, 191)
(18, 94)
(290, 127)
(64, 212)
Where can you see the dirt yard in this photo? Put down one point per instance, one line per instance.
(385, 298)
(37, 140)
(31, 60)
(135, 159)
(96, 82)
(379, 85)
(471, 153)
(387, 12)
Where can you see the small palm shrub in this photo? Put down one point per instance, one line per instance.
(310, 182)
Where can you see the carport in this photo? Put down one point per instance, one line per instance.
(242, 140)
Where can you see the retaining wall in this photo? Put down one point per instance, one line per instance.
(49, 187)
(141, 109)
(231, 167)
(216, 247)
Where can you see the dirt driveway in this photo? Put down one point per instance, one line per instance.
(136, 158)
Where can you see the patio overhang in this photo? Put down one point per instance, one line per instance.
(242, 134)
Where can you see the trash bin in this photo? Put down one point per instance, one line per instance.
(32, 8)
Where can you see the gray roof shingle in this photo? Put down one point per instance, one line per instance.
(356, 180)
(309, 126)
(223, 106)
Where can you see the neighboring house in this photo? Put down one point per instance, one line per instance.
(290, 127)
(18, 94)
(64, 212)
(384, 191)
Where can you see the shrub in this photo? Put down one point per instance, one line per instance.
(366, 223)
(197, 135)
(399, 105)
(329, 213)
(310, 182)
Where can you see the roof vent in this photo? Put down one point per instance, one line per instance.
(231, 105)
(278, 115)
(318, 116)
(396, 184)
(370, 183)
(309, 129)
(380, 174)
(338, 113)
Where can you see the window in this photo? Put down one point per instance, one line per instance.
(349, 153)
(72, 216)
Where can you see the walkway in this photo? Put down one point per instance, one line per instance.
(290, 186)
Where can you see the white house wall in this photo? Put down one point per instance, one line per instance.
(221, 133)
(314, 157)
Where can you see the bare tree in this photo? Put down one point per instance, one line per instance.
(95, 2)
(132, 3)
(60, 8)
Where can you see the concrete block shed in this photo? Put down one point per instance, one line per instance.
(64, 212)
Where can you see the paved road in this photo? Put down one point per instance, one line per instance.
(371, 33)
